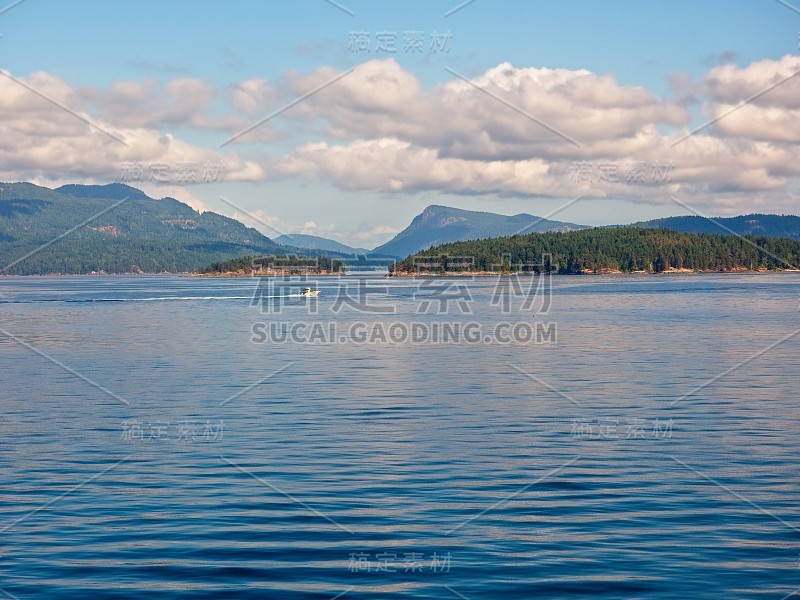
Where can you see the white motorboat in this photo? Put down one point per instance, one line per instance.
(309, 293)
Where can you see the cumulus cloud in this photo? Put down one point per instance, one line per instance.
(380, 99)
(510, 130)
(389, 164)
(757, 102)
(498, 132)
(253, 96)
(765, 83)
(311, 228)
(47, 134)
(373, 236)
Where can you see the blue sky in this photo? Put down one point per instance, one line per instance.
(85, 48)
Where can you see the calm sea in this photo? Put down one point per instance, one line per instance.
(637, 438)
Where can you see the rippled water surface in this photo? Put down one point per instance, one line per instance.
(149, 445)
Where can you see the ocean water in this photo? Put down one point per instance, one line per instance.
(169, 436)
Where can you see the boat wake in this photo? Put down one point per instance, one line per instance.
(153, 299)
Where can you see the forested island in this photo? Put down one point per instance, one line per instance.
(608, 250)
(273, 265)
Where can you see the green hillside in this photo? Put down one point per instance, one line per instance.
(113, 228)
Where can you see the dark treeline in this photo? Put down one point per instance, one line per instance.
(624, 249)
(290, 264)
(117, 255)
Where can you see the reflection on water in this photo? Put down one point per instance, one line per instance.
(151, 446)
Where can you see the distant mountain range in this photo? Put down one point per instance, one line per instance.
(313, 242)
(783, 226)
(438, 225)
(116, 228)
(140, 234)
(441, 224)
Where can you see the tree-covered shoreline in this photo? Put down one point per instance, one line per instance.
(288, 265)
(609, 250)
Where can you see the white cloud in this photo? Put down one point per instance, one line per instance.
(732, 84)
(253, 96)
(378, 129)
(372, 237)
(380, 99)
(39, 139)
(394, 136)
(393, 165)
